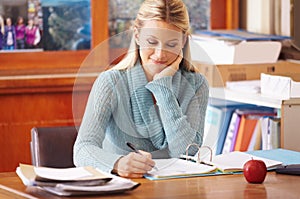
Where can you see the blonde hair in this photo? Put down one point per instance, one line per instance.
(170, 11)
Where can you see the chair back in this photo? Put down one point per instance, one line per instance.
(53, 146)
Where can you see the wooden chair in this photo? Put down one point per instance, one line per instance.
(53, 146)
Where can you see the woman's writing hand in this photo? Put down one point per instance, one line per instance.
(171, 69)
(134, 165)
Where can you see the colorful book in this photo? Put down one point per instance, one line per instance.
(246, 129)
(231, 132)
(227, 114)
(248, 122)
(255, 142)
(270, 133)
(264, 133)
(275, 132)
(213, 120)
(227, 111)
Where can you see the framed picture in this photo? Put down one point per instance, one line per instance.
(122, 13)
(45, 25)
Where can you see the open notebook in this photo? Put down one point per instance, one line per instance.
(234, 161)
(175, 168)
(228, 163)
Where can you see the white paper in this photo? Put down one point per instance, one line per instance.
(249, 86)
(117, 183)
(274, 85)
(178, 167)
(62, 174)
(235, 161)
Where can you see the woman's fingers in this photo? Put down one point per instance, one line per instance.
(134, 164)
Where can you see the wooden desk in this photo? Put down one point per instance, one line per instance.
(229, 186)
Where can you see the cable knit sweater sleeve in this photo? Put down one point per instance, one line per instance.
(88, 149)
(181, 128)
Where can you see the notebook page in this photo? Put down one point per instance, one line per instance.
(234, 161)
(179, 167)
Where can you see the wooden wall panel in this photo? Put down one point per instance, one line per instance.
(224, 14)
(22, 109)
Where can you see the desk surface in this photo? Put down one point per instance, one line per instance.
(225, 186)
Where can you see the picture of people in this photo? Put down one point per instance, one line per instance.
(45, 25)
(17, 17)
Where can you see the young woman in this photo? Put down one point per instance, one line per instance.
(32, 34)
(20, 33)
(9, 38)
(154, 98)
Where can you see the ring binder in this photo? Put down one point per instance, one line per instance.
(198, 158)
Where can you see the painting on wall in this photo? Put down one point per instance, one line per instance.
(49, 25)
(123, 12)
(17, 33)
(67, 24)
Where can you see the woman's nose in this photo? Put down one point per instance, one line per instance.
(159, 52)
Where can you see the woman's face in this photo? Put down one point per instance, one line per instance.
(8, 21)
(20, 20)
(30, 22)
(160, 44)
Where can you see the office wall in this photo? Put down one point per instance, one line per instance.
(28, 100)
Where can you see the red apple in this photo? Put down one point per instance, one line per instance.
(255, 171)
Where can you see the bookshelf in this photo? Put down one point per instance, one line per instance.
(289, 110)
(244, 97)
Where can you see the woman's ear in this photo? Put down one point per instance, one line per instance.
(136, 36)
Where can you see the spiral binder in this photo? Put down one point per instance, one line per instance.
(187, 157)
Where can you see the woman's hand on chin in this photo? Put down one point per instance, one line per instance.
(171, 69)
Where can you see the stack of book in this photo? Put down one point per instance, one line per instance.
(241, 128)
(73, 181)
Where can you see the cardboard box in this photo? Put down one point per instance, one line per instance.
(284, 86)
(238, 52)
(217, 75)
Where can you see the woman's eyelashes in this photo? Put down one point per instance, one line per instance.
(169, 44)
(152, 42)
(172, 45)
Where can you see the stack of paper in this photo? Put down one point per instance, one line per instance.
(248, 86)
(73, 181)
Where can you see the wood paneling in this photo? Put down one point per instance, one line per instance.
(224, 14)
(38, 100)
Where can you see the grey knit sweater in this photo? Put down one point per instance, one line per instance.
(121, 109)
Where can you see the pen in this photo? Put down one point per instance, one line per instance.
(132, 147)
